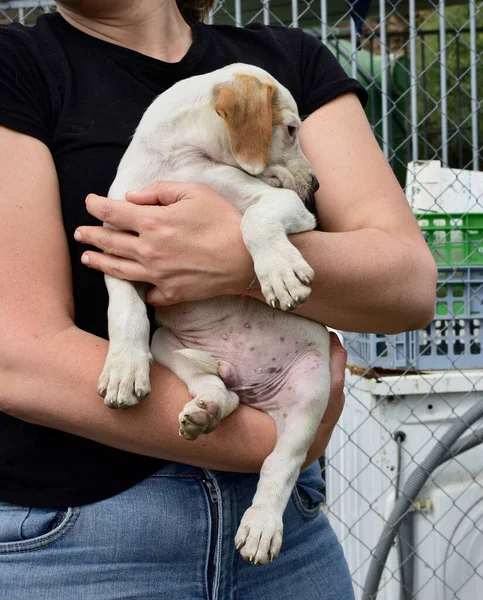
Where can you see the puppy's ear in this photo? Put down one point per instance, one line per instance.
(246, 107)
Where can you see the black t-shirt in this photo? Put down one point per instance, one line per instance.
(83, 97)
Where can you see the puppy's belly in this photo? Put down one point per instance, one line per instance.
(261, 351)
(266, 386)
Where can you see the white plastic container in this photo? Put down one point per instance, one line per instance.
(361, 476)
(431, 187)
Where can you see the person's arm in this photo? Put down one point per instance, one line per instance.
(49, 368)
(374, 271)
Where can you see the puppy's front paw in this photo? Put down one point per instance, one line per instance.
(284, 276)
(201, 415)
(125, 379)
(278, 177)
(259, 537)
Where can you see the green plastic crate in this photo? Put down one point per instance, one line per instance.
(454, 239)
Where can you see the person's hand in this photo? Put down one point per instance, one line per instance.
(182, 238)
(338, 359)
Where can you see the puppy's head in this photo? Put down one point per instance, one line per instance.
(262, 123)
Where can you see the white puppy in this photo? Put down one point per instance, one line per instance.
(235, 130)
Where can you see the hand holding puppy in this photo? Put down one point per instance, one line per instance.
(183, 238)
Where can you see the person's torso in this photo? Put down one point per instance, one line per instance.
(98, 93)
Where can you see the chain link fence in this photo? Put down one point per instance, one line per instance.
(421, 64)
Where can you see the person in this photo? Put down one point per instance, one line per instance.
(104, 504)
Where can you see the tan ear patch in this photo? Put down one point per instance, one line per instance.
(246, 107)
(277, 113)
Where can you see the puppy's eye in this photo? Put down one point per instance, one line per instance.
(292, 131)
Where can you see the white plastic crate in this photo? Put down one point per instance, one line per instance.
(361, 474)
(431, 187)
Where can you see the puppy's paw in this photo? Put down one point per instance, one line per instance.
(259, 537)
(125, 379)
(284, 276)
(201, 415)
(278, 177)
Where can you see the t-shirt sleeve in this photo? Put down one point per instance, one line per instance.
(323, 77)
(25, 104)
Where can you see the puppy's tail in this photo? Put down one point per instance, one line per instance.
(201, 359)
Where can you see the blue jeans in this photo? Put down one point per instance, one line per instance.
(170, 537)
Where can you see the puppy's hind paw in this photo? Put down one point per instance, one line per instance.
(259, 537)
(201, 415)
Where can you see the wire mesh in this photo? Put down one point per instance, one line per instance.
(421, 64)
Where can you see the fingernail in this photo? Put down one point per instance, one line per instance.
(78, 236)
(85, 259)
(133, 191)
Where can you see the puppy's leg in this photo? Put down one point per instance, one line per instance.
(282, 271)
(125, 377)
(124, 380)
(212, 401)
(297, 418)
(270, 214)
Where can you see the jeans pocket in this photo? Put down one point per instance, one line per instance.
(307, 501)
(306, 495)
(24, 529)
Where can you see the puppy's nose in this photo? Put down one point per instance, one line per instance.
(315, 184)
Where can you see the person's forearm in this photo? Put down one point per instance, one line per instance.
(366, 281)
(56, 385)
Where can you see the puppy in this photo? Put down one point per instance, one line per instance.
(235, 130)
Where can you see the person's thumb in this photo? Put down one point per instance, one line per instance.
(159, 192)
